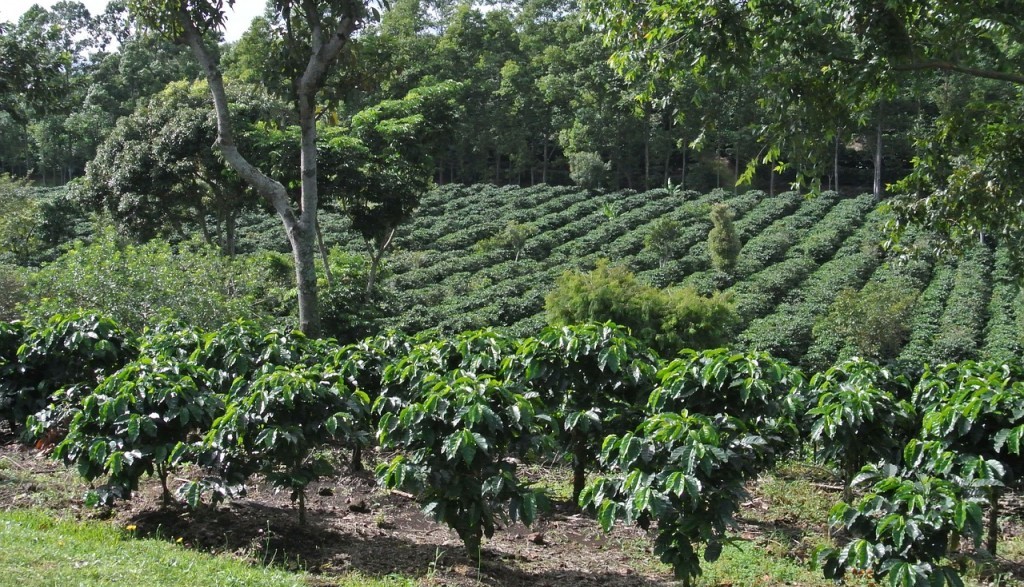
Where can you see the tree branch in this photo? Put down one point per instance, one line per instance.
(267, 187)
(1015, 78)
(322, 56)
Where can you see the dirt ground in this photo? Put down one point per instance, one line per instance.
(353, 526)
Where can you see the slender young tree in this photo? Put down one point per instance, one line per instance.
(723, 242)
(313, 33)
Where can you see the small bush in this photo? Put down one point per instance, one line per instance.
(665, 320)
(137, 285)
(876, 320)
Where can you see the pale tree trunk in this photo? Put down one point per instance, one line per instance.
(835, 163)
(375, 259)
(328, 275)
(301, 228)
(647, 150)
(877, 187)
(682, 174)
(667, 176)
(544, 165)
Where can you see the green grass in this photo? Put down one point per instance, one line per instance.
(747, 564)
(39, 550)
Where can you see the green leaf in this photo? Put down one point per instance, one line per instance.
(528, 508)
(606, 514)
(114, 463)
(194, 495)
(133, 428)
(713, 551)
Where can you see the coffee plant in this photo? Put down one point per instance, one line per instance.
(59, 361)
(276, 424)
(460, 437)
(593, 378)
(903, 525)
(142, 420)
(686, 472)
(976, 410)
(860, 414)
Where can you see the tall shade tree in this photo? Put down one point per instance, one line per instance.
(156, 171)
(314, 34)
(832, 61)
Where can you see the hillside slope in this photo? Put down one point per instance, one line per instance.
(798, 254)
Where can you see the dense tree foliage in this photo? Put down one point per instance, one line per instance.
(828, 65)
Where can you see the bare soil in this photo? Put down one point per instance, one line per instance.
(354, 526)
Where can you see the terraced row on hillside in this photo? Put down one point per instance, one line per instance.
(798, 254)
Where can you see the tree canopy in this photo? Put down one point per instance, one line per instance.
(822, 66)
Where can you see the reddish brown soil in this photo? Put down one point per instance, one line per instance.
(353, 526)
(356, 527)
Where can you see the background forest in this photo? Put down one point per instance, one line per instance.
(111, 130)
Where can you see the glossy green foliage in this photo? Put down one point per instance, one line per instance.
(754, 387)
(363, 364)
(141, 420)
(55, 362)
(686, 472)
(976, 410)
(593, 378)
(275, 423)
(477, 351)
(460, 436)
(242, 349)
(861, 413)
(907, 518)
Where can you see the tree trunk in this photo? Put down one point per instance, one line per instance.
(165, 493)
(229, 229)
(375, 259)
(356, 464)
(877, 186)
(302, 238)
(992, 536)
(301, 230)
(579, 466)
(682, 175)
(668, 167)
(324, 256)
(203, 228)
(647, 151)
(544, 164)
(835, 163)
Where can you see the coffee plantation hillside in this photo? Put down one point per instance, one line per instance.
(811, 283)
